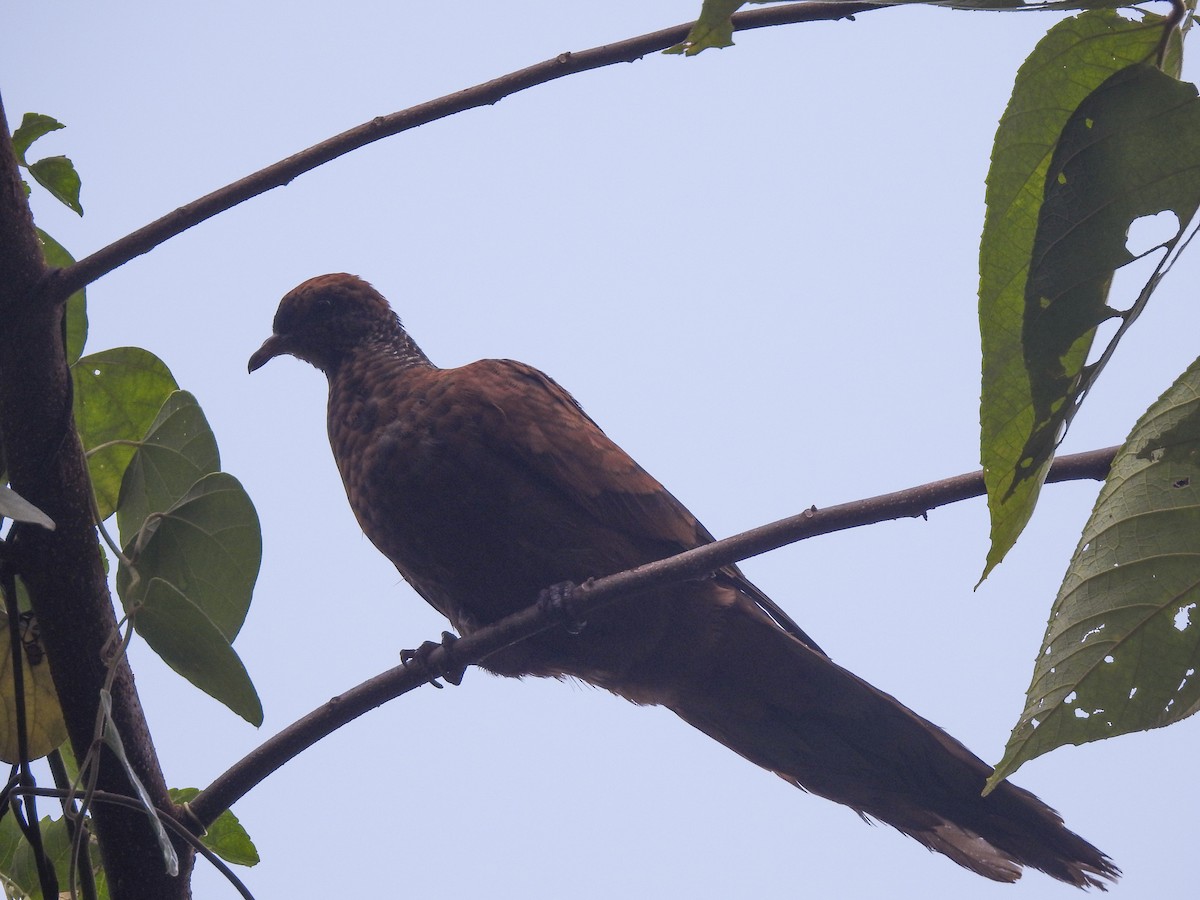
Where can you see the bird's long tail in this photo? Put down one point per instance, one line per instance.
(788, 708)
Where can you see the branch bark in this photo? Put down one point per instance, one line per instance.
(244, 775)
(63, 282)
(62, 568)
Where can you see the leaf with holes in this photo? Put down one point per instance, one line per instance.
(1132, 149)
(118, 394)
(1123, 644)
(1046, 122)
(207, 546)
(178, 450)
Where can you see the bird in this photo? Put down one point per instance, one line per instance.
(487, 484)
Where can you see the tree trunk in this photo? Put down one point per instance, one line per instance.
(62, 568)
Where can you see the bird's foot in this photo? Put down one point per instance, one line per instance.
(556, 599)
(420, 658)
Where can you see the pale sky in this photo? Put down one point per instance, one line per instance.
(755, 269)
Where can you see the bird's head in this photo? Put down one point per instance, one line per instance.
(325, 319)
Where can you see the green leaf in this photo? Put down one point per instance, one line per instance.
(207, 546)
(118, 393)
(10, 839)
(190, 643)
(57, 257)
(178, 450)
(1073, 59)
(32, 127)
(1131, 149)
(44, 726)
(19, 509)
(17, 863)
(57, 175)
(225, 837)
(1123, 643)
(713, 29)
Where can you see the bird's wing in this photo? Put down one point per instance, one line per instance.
(544, 430)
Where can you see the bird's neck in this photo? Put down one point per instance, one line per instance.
(367, 390)
(402, 349)
(384, 354)
(372, 366)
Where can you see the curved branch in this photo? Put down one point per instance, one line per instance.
(240, 778)
(63, 282)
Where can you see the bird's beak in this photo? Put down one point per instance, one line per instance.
(272, 347)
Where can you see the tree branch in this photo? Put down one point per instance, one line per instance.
(63, 282)
(240, 778)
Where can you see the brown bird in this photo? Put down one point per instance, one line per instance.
(487, 483)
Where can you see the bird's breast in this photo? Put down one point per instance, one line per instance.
(479, 525)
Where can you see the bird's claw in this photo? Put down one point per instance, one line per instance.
(556, 599)
(420, 658)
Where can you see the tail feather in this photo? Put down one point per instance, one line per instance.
(788, 708)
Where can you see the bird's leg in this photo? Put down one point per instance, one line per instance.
(556, 600)
(421, 655)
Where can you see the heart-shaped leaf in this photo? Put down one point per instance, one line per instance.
(118, 394)
(188, 641)
(207, 546)
(178, 450)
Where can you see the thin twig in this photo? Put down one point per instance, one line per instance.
(297, 737)
(61, 283)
